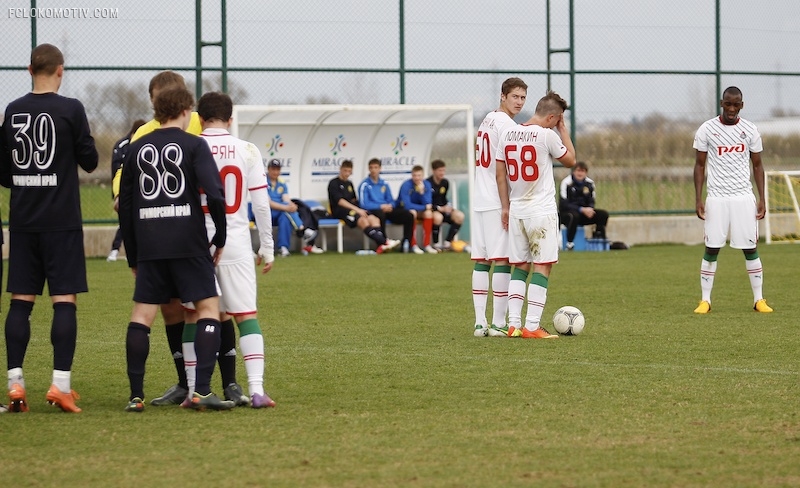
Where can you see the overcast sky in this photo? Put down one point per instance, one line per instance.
(507, 36)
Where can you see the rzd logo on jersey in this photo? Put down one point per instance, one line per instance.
(738, 148)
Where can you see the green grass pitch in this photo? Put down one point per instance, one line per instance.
(379, 382)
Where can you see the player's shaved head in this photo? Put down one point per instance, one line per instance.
(45, 59)
(164, 80)
(512, 83)
(733, 91)
(215, 106)
(170, 103)
(552, 103)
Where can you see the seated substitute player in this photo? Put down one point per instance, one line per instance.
(284, 212)
(727, 145)
(442, 210)
(242, 172)
(375, 196)
(345, 206)
(525, 156)
(163, 227)
(576, 204)
(416, 196)
(45, 139)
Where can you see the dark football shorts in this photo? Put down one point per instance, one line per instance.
(190, 279)
(56, 257)
(446, 217)
(350, 217)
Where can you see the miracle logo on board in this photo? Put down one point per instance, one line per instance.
(274, 145)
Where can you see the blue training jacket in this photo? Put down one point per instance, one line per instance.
(410, 199)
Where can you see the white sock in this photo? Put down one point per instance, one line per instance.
(61, 380)
(707, 271)
(537, 297)
(756, 274)
(500, 297)
(190, 365)
(516, 298)
(253, 353)
(15, 376)
(480, 292)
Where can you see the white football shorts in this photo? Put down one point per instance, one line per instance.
(533, 239)
(237, 282)
(489, 239)
(737, 214)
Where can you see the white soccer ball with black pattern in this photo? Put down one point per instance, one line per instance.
(568, 321)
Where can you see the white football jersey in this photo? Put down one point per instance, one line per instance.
(242, 172)
(528, 152)
(728, 160)
(484, 193)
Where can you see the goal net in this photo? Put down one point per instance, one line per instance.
(781, 191)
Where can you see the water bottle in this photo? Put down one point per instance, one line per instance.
(364, 252)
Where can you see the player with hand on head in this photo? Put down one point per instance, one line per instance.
(528, 196)
(242, 172)
(45, 138)
(163, 226)
(725, 146)
(489, 239)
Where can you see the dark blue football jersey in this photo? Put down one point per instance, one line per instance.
(164, 176)
(45, 138)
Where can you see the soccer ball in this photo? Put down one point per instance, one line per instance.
(568, 321)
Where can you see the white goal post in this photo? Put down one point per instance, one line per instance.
(782, 222)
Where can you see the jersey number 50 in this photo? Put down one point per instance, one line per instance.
(483, 149)
(521, 162)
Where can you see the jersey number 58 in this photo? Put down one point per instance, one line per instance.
(521, 162)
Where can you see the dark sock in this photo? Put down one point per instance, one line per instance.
(137, 348)
(435, 234)
(18, 331)
(206, 346)
(64, 334)
(376, 235)
(451, 234)
(175, 341)
(227, 353)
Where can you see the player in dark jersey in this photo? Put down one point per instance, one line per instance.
(345, 207)
(117, 156)
(46, 137)
(163, 227)
(442, 210)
